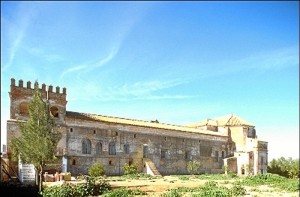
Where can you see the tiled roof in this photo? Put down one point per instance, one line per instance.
(95, 117)
(227, 120)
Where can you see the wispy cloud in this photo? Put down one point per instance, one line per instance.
(15, 45)
(259, 63)
(121, 31)
(147, 87)
(90, 66)
(16, 29)
(143, 90)
(42, 54)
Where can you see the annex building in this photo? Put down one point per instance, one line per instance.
(157, 148)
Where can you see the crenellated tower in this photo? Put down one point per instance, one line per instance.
(21, 96)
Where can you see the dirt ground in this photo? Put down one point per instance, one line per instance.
(156, 187)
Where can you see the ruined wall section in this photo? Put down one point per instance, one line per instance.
(169, 150)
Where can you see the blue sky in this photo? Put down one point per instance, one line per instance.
(178, 62)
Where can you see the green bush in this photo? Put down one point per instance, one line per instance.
(171, 193)
(77, 190)
(193, 167)
(139, 176)
(130, 169)
(273, 180)
(96, 169)
(123, 192)
(238, 189)
(211, 188)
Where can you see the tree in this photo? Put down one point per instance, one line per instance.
(38, 140)
(285, 167)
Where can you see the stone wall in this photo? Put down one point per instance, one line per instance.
(169, 150)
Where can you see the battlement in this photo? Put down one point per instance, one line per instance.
(36, 84)
(21, 96)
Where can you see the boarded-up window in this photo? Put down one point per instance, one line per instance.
(112, 148)
(98, 148)
(205, 151)
(24, 108)
(86, 146)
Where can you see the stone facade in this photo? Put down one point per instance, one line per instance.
(153, 146)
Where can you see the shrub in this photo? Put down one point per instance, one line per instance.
(273, 180)
(238, 189)
(130, 169)
(139, 176)
(123, 192)
(96, 169)
(172, 193)
(211, 188)
(79, 190)
(193, 167)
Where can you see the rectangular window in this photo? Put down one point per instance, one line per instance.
(112, 148)
(261, 160)
(205, 151)
(163, 154)
(187, 155)
(145, 151)
(126, 149)
(217, 155)
(223, 154)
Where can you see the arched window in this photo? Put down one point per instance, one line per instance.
(98, 148)
(24, 108)
(54, 111)
(86, 146)
(112, 148)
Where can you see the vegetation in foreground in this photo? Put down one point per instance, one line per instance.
(96, 186)
(38, 133)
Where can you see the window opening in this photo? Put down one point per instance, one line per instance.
(54, 111)
(163, 154)
(24, 108)
(86, 146)
(112, 148)
(217, 156)
(126, 148)
(98, 148)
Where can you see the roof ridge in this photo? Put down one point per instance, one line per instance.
(93, 114)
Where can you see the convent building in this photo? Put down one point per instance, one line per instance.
(157, 148)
